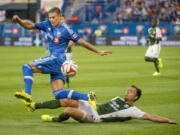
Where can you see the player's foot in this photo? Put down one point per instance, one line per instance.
(46, 118)
(29, 105)
(23, 95)
(92, 99)
(156, 74)
(92, 95)
(160, 63)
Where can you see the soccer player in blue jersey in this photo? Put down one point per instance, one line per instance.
(59, 35)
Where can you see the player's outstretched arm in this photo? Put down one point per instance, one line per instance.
(156, 118)
(24, 23)
(92, 48)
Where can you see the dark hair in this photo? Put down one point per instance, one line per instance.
(63, 15)
(139, 92)
(155, 19)
(55, 9)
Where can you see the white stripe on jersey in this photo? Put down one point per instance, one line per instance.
(68, 28)
(70, 94)
(132, 112)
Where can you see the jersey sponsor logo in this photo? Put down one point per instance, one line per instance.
(58, 34)
(49, 29)
(56, 40)
(74, 36)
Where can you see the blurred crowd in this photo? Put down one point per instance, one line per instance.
(168, 11)
(145, 10)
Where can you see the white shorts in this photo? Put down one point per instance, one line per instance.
(90, 115)
(153, 51)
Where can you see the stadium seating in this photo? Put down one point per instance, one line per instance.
(126, 10)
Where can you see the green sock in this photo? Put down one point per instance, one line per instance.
(156, 64)
(60, 118)
(69, 50)
(51, 104)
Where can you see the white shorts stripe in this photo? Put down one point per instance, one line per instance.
(70, 94)
(41, 60)
(28, 77)
(28, 66)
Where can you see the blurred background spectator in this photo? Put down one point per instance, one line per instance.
(107, 11)
(96, 11)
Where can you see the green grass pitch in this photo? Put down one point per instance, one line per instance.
(108, 76)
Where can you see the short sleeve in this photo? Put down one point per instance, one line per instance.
(158, 35)
(136, 113)
(71, 34)
(41, 25)
(149, 30)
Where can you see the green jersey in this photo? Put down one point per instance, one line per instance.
(118, 110)
(154, 33)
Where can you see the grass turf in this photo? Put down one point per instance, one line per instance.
(108, 76)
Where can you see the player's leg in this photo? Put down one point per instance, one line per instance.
(50, 104)
(156, 51)
(148, 59)
(65, 115)
(75, 113)
(28, 70)
(156, 64)
(84, 113)
(57, 85)
(68, 82)
(71, 94)
(59, 93)
(41, 65)
(148, 55)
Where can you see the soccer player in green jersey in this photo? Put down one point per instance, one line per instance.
(153, 51)
(117, 109)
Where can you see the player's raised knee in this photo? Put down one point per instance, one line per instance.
(31, 64)
(68, 111)
(26, 67)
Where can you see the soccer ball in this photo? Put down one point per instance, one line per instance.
(69, 68)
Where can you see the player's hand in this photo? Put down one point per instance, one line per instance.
(172, 122)
(151, 38)
(105, 52)
(15, 18)
(147, 38)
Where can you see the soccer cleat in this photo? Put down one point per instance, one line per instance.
(92, 95)
(92, 99)
(46, 118)
(29, 105)
(23, 95)
(156, 74)
(160, 63)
